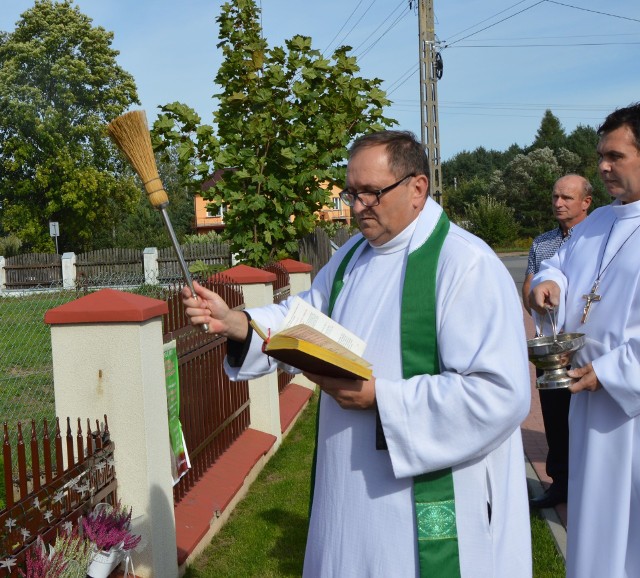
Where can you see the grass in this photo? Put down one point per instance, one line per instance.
(265, 535)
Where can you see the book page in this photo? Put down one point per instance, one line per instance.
(306, 333)
(301, 313)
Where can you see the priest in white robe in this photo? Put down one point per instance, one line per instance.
(463, 418)
(595, 281)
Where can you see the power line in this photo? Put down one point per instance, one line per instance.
(547, 45)
(342, 27)
(496, 23)
(389, 28)
(593, 11)
(358, 21)
(487, 19)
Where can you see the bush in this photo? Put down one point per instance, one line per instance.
(10, 246)
(492, 221)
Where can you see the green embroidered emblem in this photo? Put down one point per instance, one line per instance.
(436, 520)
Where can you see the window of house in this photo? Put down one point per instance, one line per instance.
(216, 211)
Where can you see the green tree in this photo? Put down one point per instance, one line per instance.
(285, 119)
(477, 164)
(550, 133)
(59, 85)
(466, 193)
(492, 220)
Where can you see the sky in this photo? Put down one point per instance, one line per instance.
(505, 61)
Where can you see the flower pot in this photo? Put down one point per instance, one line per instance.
(103, 563)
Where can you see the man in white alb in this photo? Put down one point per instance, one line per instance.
(420, 470)
(595, 281)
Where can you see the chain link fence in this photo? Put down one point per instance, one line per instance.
(26, 364)
(26, 370)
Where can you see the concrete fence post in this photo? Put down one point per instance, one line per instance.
(299, 275)
(69, 270)
(151, 269)
(3, 275)
(108, 359)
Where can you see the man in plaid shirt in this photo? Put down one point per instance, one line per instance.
(571, 199)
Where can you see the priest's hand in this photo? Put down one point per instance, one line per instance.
(211, 309)
(587, 379)
(348, 393)
(544, 296)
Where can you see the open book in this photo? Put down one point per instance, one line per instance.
(310, 341)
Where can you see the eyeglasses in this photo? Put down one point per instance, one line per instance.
(369, 198)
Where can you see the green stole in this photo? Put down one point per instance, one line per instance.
(433, 492)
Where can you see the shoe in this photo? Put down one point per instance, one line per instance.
(552, 497)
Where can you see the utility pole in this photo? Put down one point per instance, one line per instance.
(430, 73)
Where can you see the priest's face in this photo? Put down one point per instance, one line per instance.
(368, 171)
(619, 164)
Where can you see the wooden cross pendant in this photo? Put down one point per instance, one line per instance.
(591, 298)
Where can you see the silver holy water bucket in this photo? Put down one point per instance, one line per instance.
(552, 354)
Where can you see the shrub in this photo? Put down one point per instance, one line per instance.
(109, 527)
(492, 221)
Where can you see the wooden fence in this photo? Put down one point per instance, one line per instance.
(110, 267)
(212, 253)
(49, 497)
(32, 270)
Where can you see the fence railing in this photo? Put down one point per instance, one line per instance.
(214, 411)
(46, 496)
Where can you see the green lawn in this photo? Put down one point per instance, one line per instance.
(265, 535)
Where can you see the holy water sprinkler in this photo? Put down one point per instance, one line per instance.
(130, 132)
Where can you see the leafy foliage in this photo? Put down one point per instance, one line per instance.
(10, 245)
(285, 118)
(492, 221)
(59, 85)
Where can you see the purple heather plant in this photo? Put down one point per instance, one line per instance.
(40, 565)
(110, 528)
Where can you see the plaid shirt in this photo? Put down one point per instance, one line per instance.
(544, 247)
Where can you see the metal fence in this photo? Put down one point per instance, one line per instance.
(26, 369)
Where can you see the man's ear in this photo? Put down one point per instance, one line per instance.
(421, 187)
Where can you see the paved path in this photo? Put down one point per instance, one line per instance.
(535, 443)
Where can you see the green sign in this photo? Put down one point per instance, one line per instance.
(179, 457)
